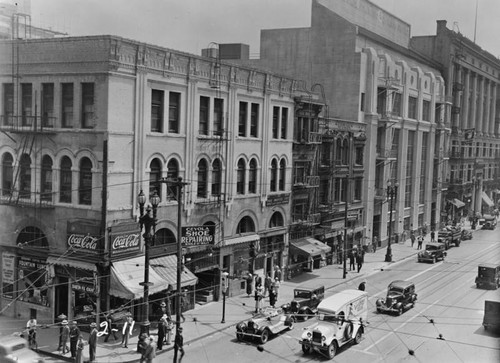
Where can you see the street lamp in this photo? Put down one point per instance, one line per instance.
(225, 286)
(147, 221)
(392, 193)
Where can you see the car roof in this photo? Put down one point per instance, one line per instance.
(489, 265)
(309, 287)
(434, 244)
(334, 302)
(9, 340)
(401, 284)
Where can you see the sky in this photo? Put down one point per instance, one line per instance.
(191, 25)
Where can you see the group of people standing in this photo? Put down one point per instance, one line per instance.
(268, 287)
(356, 257)
(70, 331)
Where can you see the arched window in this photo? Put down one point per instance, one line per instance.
(172, 174)
(66, 183)
(25, 177)
(46, 179)
(216, 177)
(240, 177)
(155, 177)
(32, 237)
(282, 175)
(252, 177)
(274, 174)
(85, 182)
(246, 225)
(7, 174)
(276, 220)
(164, 236)
(202, 178)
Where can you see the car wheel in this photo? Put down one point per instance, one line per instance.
(357, 338)
(332, 350)
(264, 337)
(379, 310)
(306, 349)
(239, 336)
(400, 310)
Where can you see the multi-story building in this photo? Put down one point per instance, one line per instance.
(472, 78)
(87, 124)
(361, 55)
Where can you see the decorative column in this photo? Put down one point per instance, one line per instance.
(465, 122)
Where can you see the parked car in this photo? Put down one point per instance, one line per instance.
(341, 320)
(401, 296)
(15, 349)
(491, 319)
(488, 276)
(305, 302)
(466, 234)
(433, 252)
(490, 222)
(262, 326)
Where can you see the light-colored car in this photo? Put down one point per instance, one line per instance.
(262, 326)
(15, 349)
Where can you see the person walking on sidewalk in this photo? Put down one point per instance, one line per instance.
(127, 329)
(63, 345)
(150, 351)
(179, 342)
(79, 350)
(111, 326)
(249, 284)
(420, 241)
(267, 284)
(433, 235)
(74, 334)
(360, 259)
(352, 258)
(412, 237)
(258, 298)
(375, 244)
(92, 342)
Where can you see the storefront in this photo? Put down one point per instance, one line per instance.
(307, 254)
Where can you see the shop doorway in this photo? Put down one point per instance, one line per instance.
(61, 297)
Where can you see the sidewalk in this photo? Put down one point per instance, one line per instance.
(205, 320)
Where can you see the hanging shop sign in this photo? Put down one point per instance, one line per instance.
(8, 267)
(83, 236)
(125, 238)
(198, 235)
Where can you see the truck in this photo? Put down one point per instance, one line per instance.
(341, 320)
(450, 235)
(491, 318)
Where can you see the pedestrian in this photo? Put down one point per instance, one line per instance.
(420, 241)
(179, 342)
(111, 326)
(433, 235)
(63, 337)
(168, 331)
(412, 237)
(258, 298)
(267, 283)
(362, 286)
(79, 350)
(162, 328)
(375, 244)
(276, 287)
(277, 273)
(359, 260)
(150, 351)
(92, 341)
(74, 334)
(352, 258)
(31, 327)
(184, 304)
(127, 329)
(272, 297)
(142, 344)
(61, 318)
(257, 281)
(249, 284)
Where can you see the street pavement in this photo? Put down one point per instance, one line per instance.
(205, 320)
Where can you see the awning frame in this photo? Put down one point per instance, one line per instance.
(487, 199)
(62, 261)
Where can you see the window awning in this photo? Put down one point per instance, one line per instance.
(126, 275)
(487, 199)
(457, 203)
(242, 239)
(310, 247)
(166, 268)
(64, 261)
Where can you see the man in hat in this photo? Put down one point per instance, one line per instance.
(179, 343)
(111, 326)
(150, 353)
(60, 319)
(92, 341)
(127, 329)
(74, 333)
(63, 337)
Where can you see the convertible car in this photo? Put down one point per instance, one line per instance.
(262, 326)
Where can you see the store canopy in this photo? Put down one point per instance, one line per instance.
(126, 276)
(241, 239)
(64, 261)
(310, 247)
(487, 199)
(457, 203)
(166, 268)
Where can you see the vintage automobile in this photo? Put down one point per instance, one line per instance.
(491, 319)
(341, 320)
(400, 297)
(433, 252)
(15, 349)
(466, 234)
(488, 222)
(262, 326)
(450, 235)
(488, 276)
(305, 302)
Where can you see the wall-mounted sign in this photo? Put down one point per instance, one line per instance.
(83, 242)
(83, 237)
(198, 235)
(125, 238)
(8, 266)
(277, 199)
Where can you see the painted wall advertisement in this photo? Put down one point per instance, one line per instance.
(8, 267)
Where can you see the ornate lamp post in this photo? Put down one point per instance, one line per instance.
(148, 222)
(392, 193)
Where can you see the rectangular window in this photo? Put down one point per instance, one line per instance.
(157, 99)
(276, 121)
(204, 114)
(359, 155)
(48, 105)
(362, 102)
(412, 107)
(26, 104)
(409, 168)
(358, 187)
(426, 110)
(67, 105)
(242, 121)
(174, 101)
(423, 168)
(396, 104)
(8, 104)
(254, 120)
(87, 105)
(284, 122)
(381, 101)
(218, 116)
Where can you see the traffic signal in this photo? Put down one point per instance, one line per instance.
(252, 250)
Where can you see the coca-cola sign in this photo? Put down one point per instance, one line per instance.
(126, 242)
(83, 242)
